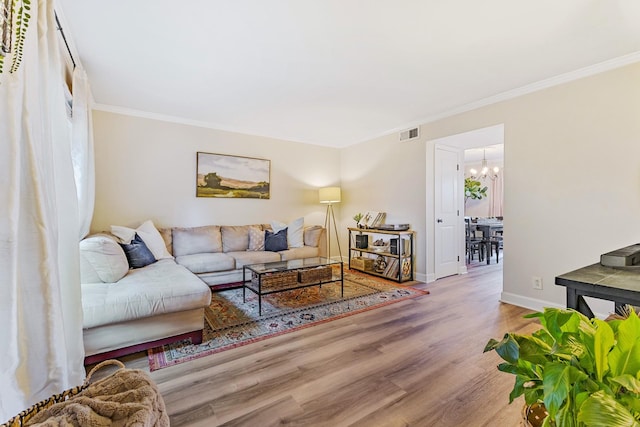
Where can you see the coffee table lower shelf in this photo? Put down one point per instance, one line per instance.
(282, 276)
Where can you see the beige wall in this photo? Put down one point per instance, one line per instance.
(146, 169)
(572, 178)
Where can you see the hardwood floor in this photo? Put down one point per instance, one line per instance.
(418, 362)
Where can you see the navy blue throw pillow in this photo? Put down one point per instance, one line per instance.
(275, 242)
(138, 254)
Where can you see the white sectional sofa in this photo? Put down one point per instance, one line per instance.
(128, 310)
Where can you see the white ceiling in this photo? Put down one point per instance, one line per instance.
(333, 72)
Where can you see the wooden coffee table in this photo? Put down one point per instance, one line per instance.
(280, 276)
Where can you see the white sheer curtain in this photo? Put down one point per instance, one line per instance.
(82, 148)
(496, 200)
(40, 307)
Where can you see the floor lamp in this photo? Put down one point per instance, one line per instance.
(329, 196)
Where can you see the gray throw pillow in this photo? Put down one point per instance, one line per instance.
(137, 252)
(275, 242)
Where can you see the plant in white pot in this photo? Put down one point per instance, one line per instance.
(586, 372)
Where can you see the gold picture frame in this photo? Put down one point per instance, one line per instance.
(227, 176)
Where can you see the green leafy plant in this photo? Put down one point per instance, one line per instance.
(20, 17)
(357, 217)
(585, 371)
(473, 189)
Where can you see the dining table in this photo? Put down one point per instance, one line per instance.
(488, 227)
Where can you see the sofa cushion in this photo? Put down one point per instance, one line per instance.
(159, 288)
(257, 257)
(102, 260)
(275, 241)
(235, 238)
(297, 253)
(207, 262)
(196, 240)
(137, 252)
(256, 238)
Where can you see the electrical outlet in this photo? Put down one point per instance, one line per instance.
(536, 282)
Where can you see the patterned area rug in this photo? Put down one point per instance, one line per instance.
(230, 323)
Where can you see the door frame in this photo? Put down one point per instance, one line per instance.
(472, 139)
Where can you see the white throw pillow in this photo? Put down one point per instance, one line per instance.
(102, 259)
(295, 231)
(149, 235)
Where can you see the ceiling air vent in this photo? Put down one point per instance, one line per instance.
(409, 134)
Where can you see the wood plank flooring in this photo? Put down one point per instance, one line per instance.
(418, 362)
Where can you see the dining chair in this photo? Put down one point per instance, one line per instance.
(474, 244)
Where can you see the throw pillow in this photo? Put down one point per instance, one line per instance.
(256, 238)
(101, 260)
(137, 253)
(312, 235)
(295, 231)
(149, 235)
(275, 242)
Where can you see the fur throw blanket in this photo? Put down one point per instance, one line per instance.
(127, 397)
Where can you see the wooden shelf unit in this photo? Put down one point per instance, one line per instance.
(397, 266)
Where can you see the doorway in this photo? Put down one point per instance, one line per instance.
(436, 249)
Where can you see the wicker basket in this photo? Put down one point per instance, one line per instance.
(362, 263)
(315, 275)
(275, 281)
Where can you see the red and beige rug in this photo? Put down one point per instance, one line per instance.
(230, 323)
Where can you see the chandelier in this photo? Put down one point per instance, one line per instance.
(485, 171)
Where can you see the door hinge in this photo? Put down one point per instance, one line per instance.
(457, 167)
(458, 258)
(458, 212)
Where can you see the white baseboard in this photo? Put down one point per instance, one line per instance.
(430, 277)
(535, 304)
(421, 277)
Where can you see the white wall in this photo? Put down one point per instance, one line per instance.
(572, 187)
(386, 175)
(147, 169)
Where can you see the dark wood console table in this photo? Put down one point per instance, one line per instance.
(622, 286)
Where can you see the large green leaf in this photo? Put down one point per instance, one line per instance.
(558, 322)
(602, 410)
(557, 382)
(602, 344)
(625, 355)
(533, 349)
(629, 382)
(508, 348)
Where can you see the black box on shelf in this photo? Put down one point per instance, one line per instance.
(394, 246)
(362, 241)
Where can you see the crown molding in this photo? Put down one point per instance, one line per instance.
(524, 90)
(504, 96)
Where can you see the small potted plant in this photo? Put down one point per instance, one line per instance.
(585, 372)
(357, 217)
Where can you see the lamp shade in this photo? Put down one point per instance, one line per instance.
(329, 195)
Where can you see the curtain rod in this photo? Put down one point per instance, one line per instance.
(64, 39)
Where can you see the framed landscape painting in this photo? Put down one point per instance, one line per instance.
(221, 175)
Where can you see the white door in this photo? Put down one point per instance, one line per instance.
(447, 210)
